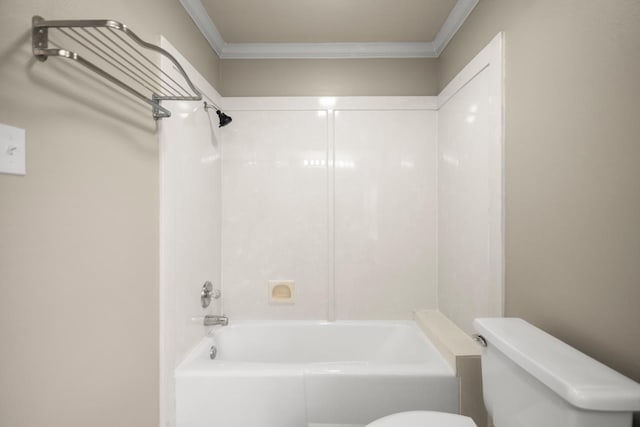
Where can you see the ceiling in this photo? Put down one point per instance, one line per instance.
(328, 28)
(328, 21)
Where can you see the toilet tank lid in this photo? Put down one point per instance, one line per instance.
(576, 377)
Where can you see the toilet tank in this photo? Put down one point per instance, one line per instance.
(531, 379)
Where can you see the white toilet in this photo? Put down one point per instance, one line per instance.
(531, 379)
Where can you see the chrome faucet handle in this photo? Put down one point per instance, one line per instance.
(208, 293)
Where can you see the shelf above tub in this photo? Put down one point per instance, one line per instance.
(114, 52)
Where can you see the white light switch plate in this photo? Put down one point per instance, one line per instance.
(12, 150)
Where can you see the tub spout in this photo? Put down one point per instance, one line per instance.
(212, 320)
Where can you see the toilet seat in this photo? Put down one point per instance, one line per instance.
(423, 419)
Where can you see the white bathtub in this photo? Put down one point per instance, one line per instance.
(299, 374)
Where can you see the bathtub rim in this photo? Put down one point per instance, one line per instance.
(193, 366)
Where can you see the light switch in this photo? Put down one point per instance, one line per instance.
(12, 150)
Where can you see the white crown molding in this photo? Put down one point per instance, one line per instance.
(456, 18)
(225, 50)
(199, 14)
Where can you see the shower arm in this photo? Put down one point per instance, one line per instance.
(210, 106)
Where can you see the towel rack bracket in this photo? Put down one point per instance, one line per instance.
(39, 39)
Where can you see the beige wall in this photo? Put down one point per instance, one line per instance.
(79, 233)
(326, 77)
(572, 166)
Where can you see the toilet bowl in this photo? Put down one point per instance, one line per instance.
(423, 419)
(530, 378)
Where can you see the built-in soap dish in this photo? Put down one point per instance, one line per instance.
(282, 291)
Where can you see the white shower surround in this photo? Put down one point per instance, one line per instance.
(190, 225)
(471, 190)
(342, 232)
(184, 265)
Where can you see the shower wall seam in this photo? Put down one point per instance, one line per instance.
(331, 216)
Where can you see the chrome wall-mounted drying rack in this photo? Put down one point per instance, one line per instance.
(110, 49)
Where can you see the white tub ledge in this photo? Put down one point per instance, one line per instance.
(463, 355)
